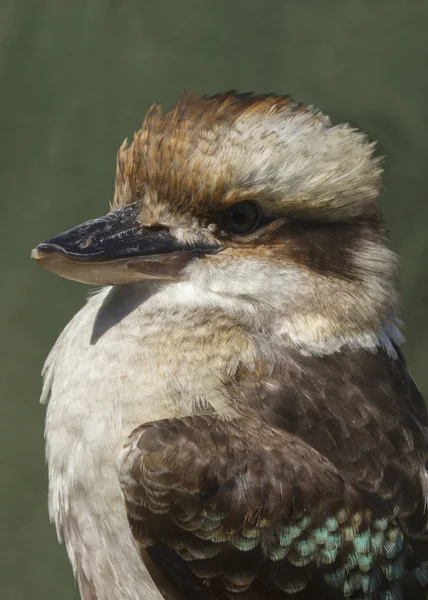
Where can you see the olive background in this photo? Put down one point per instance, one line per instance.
(76, 78)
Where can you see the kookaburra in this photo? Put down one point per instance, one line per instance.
(231, 417)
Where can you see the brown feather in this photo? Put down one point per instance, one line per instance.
(339, 433)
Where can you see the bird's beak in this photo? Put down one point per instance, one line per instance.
(116, 249)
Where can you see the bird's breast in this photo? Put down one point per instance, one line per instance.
(131, 355)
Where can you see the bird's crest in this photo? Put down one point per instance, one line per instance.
(213, 150)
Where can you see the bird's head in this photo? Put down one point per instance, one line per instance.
(251, 197)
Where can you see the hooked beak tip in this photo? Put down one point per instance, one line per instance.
(37, 253)
(43, 250)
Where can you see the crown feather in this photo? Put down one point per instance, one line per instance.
(206, 149)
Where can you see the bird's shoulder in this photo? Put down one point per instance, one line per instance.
(359, 408)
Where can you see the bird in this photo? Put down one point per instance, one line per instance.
(230, 415)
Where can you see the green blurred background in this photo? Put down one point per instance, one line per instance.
(76, 78)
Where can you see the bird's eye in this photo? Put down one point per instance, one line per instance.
(240, 218)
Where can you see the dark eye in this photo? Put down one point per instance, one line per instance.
(242, 217)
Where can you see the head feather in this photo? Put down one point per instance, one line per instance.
(208, 150)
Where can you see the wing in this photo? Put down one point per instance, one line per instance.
(212, 501)
(315, 491)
